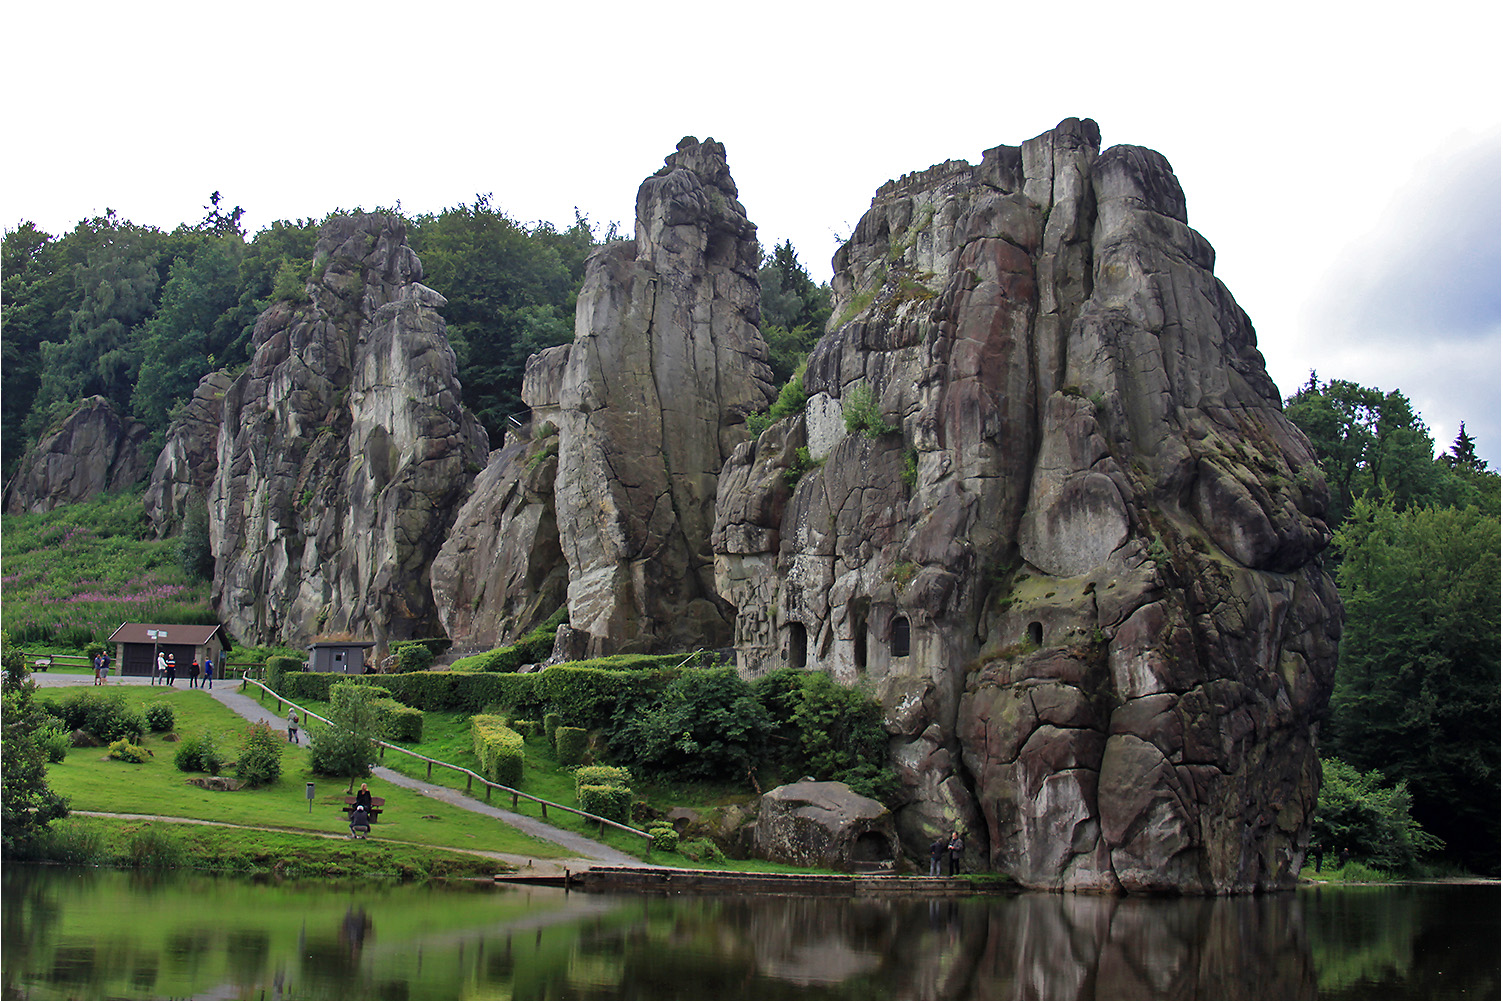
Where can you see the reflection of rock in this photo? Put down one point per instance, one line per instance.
(823, 824)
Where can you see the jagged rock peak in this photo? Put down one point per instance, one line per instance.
(344, 450)
(1076, 548)
(92, 451)
(190, 457)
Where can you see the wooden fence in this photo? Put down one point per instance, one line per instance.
(470, 775)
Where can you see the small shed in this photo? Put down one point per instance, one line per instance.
(137, 644)
(338, 656)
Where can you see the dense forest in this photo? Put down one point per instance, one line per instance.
(139, 316)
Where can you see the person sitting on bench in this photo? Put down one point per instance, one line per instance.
(360, 821)
(363, 796)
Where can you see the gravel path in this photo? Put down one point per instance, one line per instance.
(585, 851)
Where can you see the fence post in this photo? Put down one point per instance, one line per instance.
(469, 782)
(544, 805)
(513, 800)
(487, 792)
(381, 753)
(430, 769)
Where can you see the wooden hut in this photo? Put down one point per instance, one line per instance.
(137, 644)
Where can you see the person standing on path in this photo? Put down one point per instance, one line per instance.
(957, 847)
(193, 675)
(937, 856)
(98, 667)
(161, 669)
(292, 727)
(208, 673)
(171, 670)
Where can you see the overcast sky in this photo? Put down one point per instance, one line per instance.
(1343, 160)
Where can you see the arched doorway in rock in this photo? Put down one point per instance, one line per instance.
(901, 640)
(798, 646)
(870, 848)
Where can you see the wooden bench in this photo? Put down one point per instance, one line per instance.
(373, 812)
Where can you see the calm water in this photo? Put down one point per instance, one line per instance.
(107, 934)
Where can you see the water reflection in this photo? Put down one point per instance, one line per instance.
(106, 934)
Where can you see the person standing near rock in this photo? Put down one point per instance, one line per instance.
(957, 848)
(937, 851)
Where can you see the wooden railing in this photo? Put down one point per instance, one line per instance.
(470, 775)
(35, 660)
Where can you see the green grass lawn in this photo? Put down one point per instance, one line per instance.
(93, 782)
(446, 737)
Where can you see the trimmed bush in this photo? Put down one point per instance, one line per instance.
(399, 723)
(160, 715)
(664, 837)
(701, 849)
(570, 745)
(279, 668)
(127, 752)
(261, 756)
(601, 776)
(608, 802)
(551, 721)
(527, 728)
(499, 749)
(413, 657)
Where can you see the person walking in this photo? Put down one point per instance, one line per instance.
(292, 727)
(957, 848)
(98, 668)
(193, 674)
(209, 673)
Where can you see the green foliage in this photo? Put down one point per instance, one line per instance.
(841, 736)
(279, 674)
(794, 309)
(27, 804)
(1417, 684)
(54, 740)
(569, 744)
(193, 553)
(398, 722)
(664, 837)
(199, 754)
(155, 848)
(499, 749)
(104, 714)
(534, 646)
(260, 761)
(608, 802)
(790, 402)
(347, 747)
(702, 851)
(551, 721)
(1362, 813)
(601, 776)
(413, 657)
(159, 715)
(707, 724)
(862, 412)
(127, 751)
(910, 467)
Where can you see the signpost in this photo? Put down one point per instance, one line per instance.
(310, 799)
(157, 637)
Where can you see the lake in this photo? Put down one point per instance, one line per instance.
(91, 934)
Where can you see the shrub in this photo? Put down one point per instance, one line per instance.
(398, 722)
(103, 715)
(128, 752)
(260, 756)
(347, 747)
(700, 849)
(1359, 812)
(527, 728)
(199, 754)
(601, 776)
(154, 849)
(532, 647)
(608, 802)
(863, 414)
(664, 837)
(551, 721)
(707, 724)
(499, 749)
(569, 743)
(413, 657)
(279, 668)
(841, 736)
(53, 738)
(160, 715)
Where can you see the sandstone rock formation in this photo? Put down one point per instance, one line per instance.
(344, 451)
(94, 450)
(823, 824)
(1075, 548)
(186, 466)
(646, 404)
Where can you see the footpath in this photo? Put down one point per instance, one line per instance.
(584, 852)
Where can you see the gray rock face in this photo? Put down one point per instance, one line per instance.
(1082, 572)
(344, 451)
(647, 403)
(94, 450)
(822, 824)
(190, 457)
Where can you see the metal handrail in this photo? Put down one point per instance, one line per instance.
(471, 775)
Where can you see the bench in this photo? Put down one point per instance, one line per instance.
(373, 812)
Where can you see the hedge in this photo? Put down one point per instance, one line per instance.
(498, 748)
(551, 721)
(608, 802)
(399, 723)
(571, 745)
(533, 647)
(601, 776)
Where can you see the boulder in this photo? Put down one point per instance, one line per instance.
(344, 451)
(1076, 551)
(823, 824)
(93, 450)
